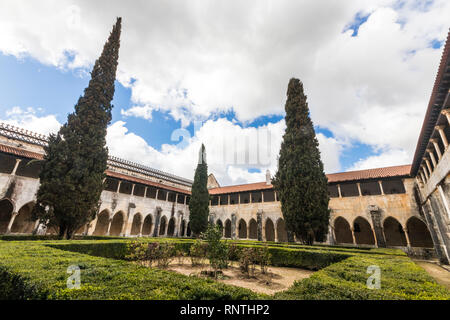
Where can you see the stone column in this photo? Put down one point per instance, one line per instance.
(11, 221)
(380, 183)
(444, 200)
(405, 230)
(353, 235)
(109, 226)
(428, 166)
(433, 159)
(436, 147)
(425, 171)
(16, 166)
(259, 225)
(128, 223)
(359, 188)
(443, 137)
(446, 112)
(339, 190)
(422, 176)
(157, 218)
(377, 227)
(233, 226)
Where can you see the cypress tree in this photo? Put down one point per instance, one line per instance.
(73, 170)
(300, 181)
(199, 203)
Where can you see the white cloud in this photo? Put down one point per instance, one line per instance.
(230, 154)
(27, 119)
(385, 159)
(194, 58)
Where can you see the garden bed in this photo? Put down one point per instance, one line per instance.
(275, 280)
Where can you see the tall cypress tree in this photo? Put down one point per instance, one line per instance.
(199, 203)
(73, 170)
(300, 181)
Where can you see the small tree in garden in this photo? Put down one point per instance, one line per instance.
(217, 250)
(199, 202)
(197, 252)
(300, 181)
(263, 257)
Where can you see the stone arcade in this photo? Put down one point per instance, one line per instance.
(403, 206)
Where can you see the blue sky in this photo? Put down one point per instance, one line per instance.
(367, 70)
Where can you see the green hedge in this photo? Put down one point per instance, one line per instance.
(283, 257)
(400, 278)
(31, 270)
(37, 270)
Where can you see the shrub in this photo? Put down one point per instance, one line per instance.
(247, 261)
(197, 252)
(165, 252)
(262, 257)
(217, 250)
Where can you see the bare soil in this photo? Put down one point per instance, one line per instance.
(441, 275)
(276, 279)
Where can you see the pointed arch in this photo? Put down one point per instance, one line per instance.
(270, 230)
(418, 233)
(228, 228)
(342, 232)
(136, 224)
(281, 231)
(147, 226)
(253, 229)
(23, 223)
(6, 211)
(363, 231)
(393, 233)
(242, 229)
(101, 226)
(162, 226)
(171, 227)
(117, 224)
(188, 229)
(182, 228)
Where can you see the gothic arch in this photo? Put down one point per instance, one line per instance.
(136, 224)
(117, 224)
(342, 232)
(171, 227)
(162, 226)
(281, 231)
(23, 222)
(147, 226)
(393, 233)
(182, 228)
(242, 229)
(270, 230)
(363, 231)
(418, 233)
(101, 226)
(252, 229)
(6, 210)
(228, 228)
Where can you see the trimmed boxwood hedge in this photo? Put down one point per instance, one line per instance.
(37, 270)
(33, 270)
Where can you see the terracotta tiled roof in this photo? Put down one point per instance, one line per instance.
(241, 188)
(109, 173)
(397, 171)
(435, 104)
(21, 152)
(117, 175)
